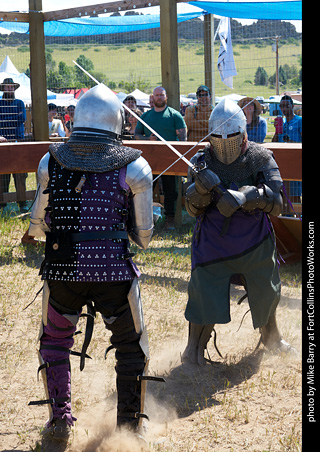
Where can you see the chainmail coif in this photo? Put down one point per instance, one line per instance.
(93, 157)
(243, 167)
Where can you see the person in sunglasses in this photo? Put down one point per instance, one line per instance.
(197, 116)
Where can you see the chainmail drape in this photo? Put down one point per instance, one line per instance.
(246, 164)
(93, 157)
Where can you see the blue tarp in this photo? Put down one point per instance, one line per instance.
(274, 9)
(91, 26)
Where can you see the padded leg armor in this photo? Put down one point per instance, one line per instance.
(129, 338)
(56, 340)
(131, 363)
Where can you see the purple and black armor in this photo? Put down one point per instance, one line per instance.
(93, 195)
(99, 206)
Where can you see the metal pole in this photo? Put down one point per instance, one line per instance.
(277, 65)
(209, 54)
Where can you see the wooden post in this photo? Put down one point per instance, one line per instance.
(38, 72)
(169, 51)
(170, 71)
(275, 48)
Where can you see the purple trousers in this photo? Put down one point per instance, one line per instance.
(65, 305)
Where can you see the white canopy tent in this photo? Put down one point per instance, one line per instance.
(232, 96)
(8, 66)
(141, 97)
(184, 100)
(276, 100)
(8, 70)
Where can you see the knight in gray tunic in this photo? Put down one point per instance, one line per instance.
(93, 196)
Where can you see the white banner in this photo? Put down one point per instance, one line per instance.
(226, 65)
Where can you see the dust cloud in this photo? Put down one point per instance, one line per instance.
(95, 429)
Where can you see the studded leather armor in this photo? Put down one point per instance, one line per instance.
(88, 203)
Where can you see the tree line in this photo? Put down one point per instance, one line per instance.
(61, 76)
(190, 30)
(289, 76)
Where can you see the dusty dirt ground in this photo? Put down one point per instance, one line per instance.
(246, 401)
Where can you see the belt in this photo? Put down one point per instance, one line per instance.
(84, 236)
(91, 313)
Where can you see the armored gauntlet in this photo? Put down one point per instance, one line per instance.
(249, 198)
(262, 198)
(199, 194)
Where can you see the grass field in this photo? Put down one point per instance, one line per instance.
(142, 61)
(248, 401)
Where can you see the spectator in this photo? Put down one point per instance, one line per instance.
(12, 119)
(170, 125)
(69, 124)
(129, 130)
(256, 126)
(197, 116)
(292, 133)
(131, 102)
(56, 128)
(151, 103)
(292, 125)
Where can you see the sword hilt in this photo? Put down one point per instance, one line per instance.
(205, 179)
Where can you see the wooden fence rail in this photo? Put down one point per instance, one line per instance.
(24, 157)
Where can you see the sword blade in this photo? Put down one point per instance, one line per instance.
(87, 73)
(200, 141)
(139, 119)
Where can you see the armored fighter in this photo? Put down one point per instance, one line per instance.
(94, 194)
(237, 186)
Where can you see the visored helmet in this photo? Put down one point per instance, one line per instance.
(99, 111)
(227, 124)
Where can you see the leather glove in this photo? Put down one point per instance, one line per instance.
(230, 201)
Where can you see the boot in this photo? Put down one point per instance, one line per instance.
(272, 339)
(130, 368)
(58, 430)
(199, 336)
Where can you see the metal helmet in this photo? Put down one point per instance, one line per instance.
(99, 111)
(227, 124)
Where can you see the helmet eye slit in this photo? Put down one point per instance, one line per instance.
(228, 136)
